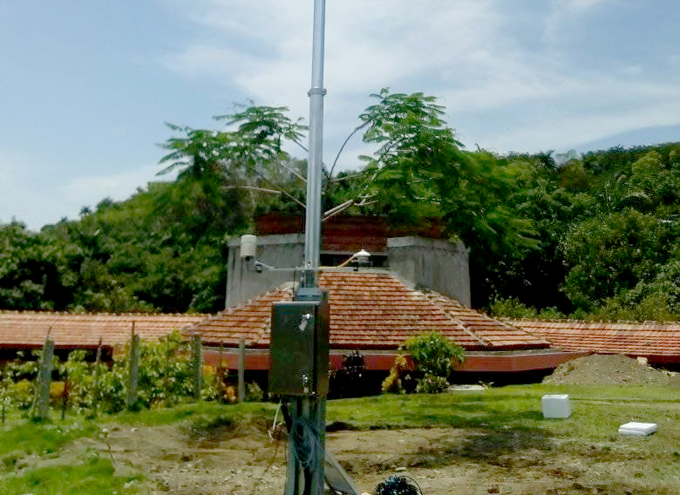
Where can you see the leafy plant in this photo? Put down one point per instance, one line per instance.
(254, 392)
(431, 384)
(348, 381)
(400, 379)
(434, 354)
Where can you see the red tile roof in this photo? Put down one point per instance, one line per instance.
(639, 339)
(372, 310)
(69, 330)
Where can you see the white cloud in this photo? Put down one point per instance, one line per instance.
(25, 197)
(565, 12)
(20, 199)
(467, 52)
(89, 190)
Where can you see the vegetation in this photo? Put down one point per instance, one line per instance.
(591, 236)
(597, 410)
(501, 425)
(433, 357)
(85, 387)
(349, 380)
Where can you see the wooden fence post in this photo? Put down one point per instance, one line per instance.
(241, 369)
(45, 378)
(196, 348)
(96, 378)
(220, 377)
(134, 370)
(64, 396)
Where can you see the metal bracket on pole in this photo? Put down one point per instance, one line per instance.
(317, 91)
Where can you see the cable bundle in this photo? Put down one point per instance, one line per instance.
(306, 440)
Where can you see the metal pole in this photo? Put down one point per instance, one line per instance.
(315, 409)
(310, 479)
(315, 157)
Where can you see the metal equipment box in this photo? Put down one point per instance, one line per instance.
(299, 348)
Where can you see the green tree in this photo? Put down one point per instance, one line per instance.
(610, 254)
(28, 276)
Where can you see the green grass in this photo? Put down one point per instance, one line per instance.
(39, 439)
(504, 418)
(94, 476)
(201, 412)
(501, 423)
(598, 411)
(45, 441)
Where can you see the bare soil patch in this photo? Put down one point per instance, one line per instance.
(242, 460)
(602, 369)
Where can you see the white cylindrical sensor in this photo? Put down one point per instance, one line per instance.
(248, 246)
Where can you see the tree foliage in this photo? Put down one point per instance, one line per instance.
(549, 234)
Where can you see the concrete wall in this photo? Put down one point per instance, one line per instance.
(427, 263)
(432, 264)
(280, 251)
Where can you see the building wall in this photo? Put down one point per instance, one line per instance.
(433, 264)
(280, 251)
(424, 263)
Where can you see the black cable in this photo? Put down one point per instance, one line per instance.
(306, 444)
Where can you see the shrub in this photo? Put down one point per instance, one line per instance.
(165, 371)
(254, 393)
(22, 393)
(511, 308)
(431, 384)
(166, 378)
(400, 379)
(348, 381)
(434, 354)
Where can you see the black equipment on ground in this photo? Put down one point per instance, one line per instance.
(398, 485)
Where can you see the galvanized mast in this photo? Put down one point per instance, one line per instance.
(315, 157)
(309, 479)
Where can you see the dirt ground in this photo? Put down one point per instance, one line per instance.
(599, 369)
(443, 461)
(243, 460)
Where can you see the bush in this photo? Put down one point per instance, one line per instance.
(254, 393)
(400, 380)
(22, 393)
(433, 356)
(431, 384)
(166, 378)
(348, 381)
(511, 308)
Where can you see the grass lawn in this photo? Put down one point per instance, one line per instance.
(597, 411)
(43, 458)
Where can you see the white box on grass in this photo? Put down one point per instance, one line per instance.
(639, 429)
(556, 406)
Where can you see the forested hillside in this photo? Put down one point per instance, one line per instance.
(595, 236)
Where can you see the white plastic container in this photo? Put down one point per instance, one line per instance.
(638, 429)
(556, 406)
(248, 246)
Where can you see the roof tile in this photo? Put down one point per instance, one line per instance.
(645, 339)
(29, 328)
(373, 310)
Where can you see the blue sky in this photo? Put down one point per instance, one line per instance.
(85, 85)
